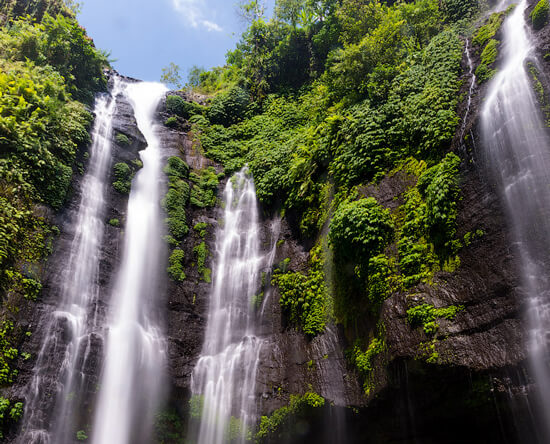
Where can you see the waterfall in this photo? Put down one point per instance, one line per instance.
(517, 148)
(71, 326)
(225, 375)
(471, 89)
(135, 353)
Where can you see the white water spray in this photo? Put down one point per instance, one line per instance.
(225, 374)
(135, 354)
(69, 333)
(517, 147)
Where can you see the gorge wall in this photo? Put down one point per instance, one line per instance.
(465, 380)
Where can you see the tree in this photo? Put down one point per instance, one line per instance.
(250, 11)
(171, 76)
(194, 76)
(289, 11)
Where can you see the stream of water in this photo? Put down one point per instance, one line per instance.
(67, 340)
(225, 375)
(517, 149)
(134, 366)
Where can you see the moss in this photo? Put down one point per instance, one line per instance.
(123, 175)
(176, 198)
(175, 265)
(271, 427)
(304, 297)
(489, 55)
(122, 139)
(364, 361)
(201, 251)
(539, 90)
(176, 167)
(489, 30)
(114, 223)
(539, 15)
(426, 315)
(169, 427)
(200, 228)
(171, 122)
(204, 190)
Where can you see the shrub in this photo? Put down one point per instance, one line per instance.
(489, 55)
(203, 193)
(229, 107)
(171, 122)
(123, 175)
(201, 229)
(178, 106)
(455, 10)
(364, 361)
(489, 30)
(303, 297)
(175, 265)
(177, 167)
(122, 139)
(271, 426)
(439, 187)
(539, 15)
(359, 230)
(202, 253)
(425, 316)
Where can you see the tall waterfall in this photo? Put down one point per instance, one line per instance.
(225, 375)
(135, 353)
(68, 334)
(517, 148)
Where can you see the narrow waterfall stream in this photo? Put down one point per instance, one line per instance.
(135, 353)
(517, 147)
(225, 375)
(68, 335)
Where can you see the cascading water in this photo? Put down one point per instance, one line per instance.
(517, 148)
(225, 375)
(68, 335)
(135, 354)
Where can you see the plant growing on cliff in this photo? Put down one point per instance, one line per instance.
(205, 187)
(539, 15)
(359, 230)
(180, 107)
(273, 426)
(201, 252)
(123, 177)
(439, 187)
(364, 361)
(304, 297)
(177, 197)
(426, 315)
(175, 265)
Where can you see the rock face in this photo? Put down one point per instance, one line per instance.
(464, 396)
(36, 318)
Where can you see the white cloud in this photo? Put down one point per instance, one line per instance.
(193, 13)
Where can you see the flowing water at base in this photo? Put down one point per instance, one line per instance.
(225, 375)
(517, 149)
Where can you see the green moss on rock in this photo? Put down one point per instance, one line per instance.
(539, 15)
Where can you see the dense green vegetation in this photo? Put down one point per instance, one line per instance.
(539, 16)
(48, 66)
(275, 425)
(327, 102)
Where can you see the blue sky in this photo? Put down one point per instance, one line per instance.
(146, 35)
